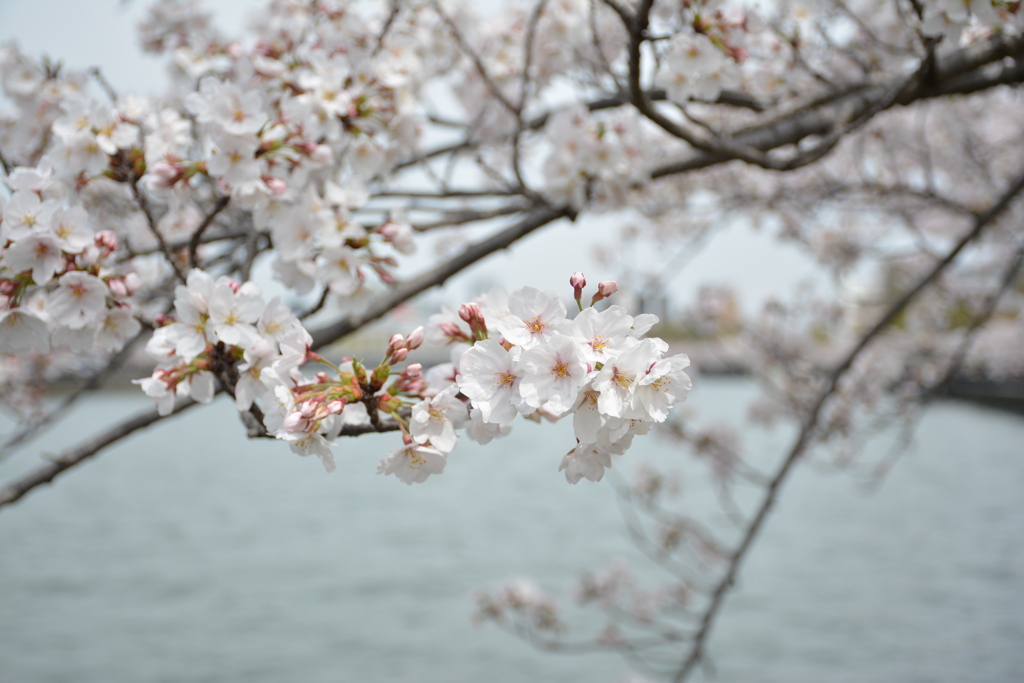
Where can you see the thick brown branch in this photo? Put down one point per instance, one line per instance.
(961, 72)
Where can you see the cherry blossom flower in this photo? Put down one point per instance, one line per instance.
(489, 376)
(314, 444)
(601, 334)
(38, 252)
(436, 419)
(232, 316)
(586, 461)
(71, 228)
(116, 327)
(21, 332)
(661, 387)
(413, 463)
(23, 213)
(616, 380)
(553, 374)
(483, 432)
(79, 300)
(695, 67)
(232, 159)
(534, 317)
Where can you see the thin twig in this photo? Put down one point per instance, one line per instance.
(475, 58)
(396, 7)
(104, 84)
(956, 361)
(143, 203)
(197, 235)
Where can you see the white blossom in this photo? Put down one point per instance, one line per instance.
(413, 463)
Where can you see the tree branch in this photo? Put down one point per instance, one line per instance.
(197, 236)
(406, 290)
(540, 217)
(45, 474)
(961, 72)
(92, 382)
(811, 423)
(143, 203)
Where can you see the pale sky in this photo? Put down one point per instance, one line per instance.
(86, 33)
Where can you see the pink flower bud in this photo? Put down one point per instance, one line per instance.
(335, 407)
(604, 290)
(117, 288)
(578, 282)
(400, 355)
(322, 155)
(233, 285)
(472, 314)
(276, 185)
(452, 331)
(106, 239)
(413, 370)
(164, 174)
(132, 282)
(295, 422)
(395, 343)
(415, 339)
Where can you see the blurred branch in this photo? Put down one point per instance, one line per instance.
(60, 410)
(197, 235)
(143, 203)
(58, 464)
(810, 424)
(962, 72)
(96, 73)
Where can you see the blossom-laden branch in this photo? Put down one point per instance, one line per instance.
(316, 137)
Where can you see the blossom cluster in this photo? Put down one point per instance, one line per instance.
(522, 356)
(594, 159)
(59, 285)
(519, 355)
(226, 332)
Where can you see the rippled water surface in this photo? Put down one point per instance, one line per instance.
(190, 554)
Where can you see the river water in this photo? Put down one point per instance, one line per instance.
(190, 554)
